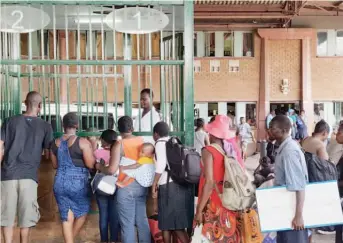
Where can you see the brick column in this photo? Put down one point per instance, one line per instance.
(264, 93)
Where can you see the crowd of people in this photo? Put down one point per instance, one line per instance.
(130, 159)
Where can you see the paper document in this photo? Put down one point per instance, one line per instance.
(276, 206)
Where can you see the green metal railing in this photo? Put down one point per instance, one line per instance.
(100, 87)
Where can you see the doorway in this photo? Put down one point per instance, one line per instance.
(282, 107)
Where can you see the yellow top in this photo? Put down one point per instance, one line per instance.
(145, 160)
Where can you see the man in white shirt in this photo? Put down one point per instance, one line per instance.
(149, 116)
(270, 118)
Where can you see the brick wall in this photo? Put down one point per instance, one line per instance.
(285, 63)
(229, 86)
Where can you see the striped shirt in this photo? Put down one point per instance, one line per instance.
(290, 166)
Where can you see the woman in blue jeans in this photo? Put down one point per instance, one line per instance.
(131, 198)
(72, 156)
(108, 214)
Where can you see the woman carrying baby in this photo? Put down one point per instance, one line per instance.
(108, 214)
(131, 197)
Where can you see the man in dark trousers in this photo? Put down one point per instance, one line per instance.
(23, 138)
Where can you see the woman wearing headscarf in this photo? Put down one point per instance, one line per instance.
(72, 156)
(219, 223)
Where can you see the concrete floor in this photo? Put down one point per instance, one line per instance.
(50, 232)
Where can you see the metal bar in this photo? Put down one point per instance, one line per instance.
(67, 55)
(56, 89)
(91, 62)
(96, 80)
(127, 76)
(115, 67)
(139, 84)
(79, 72)
(30, 58)
(101, 2)
(104, 80)
(188, 86)
(85, 75)
(162, 77)
(86, 134)
(150, 83)
(90, 40)
(43, 67)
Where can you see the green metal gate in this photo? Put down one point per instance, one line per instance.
(96, 71)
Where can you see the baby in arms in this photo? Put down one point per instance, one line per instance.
(142, 170)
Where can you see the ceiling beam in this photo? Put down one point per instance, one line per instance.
(239, 8)
(240, 16)
(221, 27)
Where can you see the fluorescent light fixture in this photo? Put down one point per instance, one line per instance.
(93, 20)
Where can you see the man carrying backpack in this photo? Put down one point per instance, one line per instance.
(175, 201)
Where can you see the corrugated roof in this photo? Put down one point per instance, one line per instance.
(235, 2)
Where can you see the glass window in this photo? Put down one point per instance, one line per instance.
(322, 43)
(248, 44)
(318, 112)
(339, 43)
(212, 109)
(210, 44)
(228, 44)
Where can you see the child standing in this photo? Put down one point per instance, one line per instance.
(108, 215)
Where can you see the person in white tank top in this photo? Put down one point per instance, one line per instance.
(201, 138)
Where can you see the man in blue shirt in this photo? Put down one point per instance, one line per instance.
(290, 171)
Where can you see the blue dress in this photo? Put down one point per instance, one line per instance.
(71, 187)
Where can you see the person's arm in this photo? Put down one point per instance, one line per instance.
(296, 181)
(47, 141)
(53, 159)
(113, 166)
(2, 140)
(1, 150)
(130, 167)
(161, 163)
(322, 153)
(209, 183)
(87, 153)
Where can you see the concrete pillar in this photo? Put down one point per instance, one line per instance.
(238, 44)
(240, 111)
(219, 44)
(306, 89)
(203, 111)
(264, 96)
(200, 44)
(222, 108)
(331, 42)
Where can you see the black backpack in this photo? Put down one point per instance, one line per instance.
(183, 162)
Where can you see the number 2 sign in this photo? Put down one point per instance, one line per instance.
(19, 19)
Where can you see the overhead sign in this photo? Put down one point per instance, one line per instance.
(22, 19)
(137, 20)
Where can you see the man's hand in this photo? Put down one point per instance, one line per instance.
(298, 222)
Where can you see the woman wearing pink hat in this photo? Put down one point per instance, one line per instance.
(219, 223)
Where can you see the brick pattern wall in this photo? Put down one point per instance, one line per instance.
(229, 86)
(285, 63)
(327, 79)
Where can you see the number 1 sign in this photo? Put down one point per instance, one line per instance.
(22, 19)
(137, 20)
